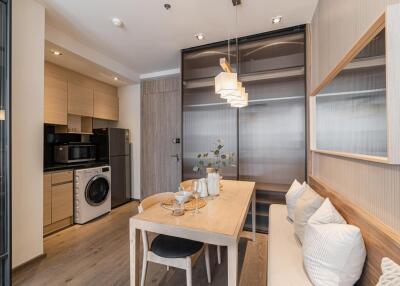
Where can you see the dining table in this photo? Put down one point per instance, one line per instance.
(219, 222)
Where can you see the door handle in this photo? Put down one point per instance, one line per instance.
(176, 156)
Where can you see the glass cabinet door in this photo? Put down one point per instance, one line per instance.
(4, 148)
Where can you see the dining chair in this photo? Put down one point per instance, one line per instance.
(187, 185)
(171, 251)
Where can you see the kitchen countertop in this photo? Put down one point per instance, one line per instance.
(59, 167)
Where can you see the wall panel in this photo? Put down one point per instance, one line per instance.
(372, 186)
(336, 27)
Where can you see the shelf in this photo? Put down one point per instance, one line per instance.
(370, 62)
(270, 201)
(251, 77)
(268, 187)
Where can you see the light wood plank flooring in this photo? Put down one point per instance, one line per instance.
(97, 253)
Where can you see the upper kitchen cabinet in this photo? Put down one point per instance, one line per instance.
(106, 105)
(55, 100)
(80, 100)
(72, 95)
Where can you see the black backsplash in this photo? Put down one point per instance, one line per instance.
(51, 139)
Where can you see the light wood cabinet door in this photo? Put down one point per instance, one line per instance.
(46, 199)
(62, 177)
(61, 202)
(55, 101)
(106, 106)
(80, 100)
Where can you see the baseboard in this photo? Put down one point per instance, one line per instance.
(33, 260)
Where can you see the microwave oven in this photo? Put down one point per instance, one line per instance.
(74, 153)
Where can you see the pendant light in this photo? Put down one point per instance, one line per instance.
(226, 82)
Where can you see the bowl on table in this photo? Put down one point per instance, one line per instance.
(183, 196)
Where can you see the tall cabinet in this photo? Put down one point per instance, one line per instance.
(269, 136)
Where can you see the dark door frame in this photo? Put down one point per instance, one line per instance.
(6, 256)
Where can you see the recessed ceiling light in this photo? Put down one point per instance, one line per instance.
(117, 22)
(56, 53)
(199, 36)
(116, 78)
(276, 20)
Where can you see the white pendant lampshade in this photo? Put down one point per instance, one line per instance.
(238, 95)
(225, 83)
(242, 102)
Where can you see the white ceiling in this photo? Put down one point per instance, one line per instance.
(152, 37)
(82, 65)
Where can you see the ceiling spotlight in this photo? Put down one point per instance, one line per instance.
(117, 22)
(199, 36)
(167, 6)
(116, 78)
(56, 53)
(276, 20)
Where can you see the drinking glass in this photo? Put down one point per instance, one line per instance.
(196, 193)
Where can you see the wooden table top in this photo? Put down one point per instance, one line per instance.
(223, 215)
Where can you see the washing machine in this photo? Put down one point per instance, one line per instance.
(92, 193)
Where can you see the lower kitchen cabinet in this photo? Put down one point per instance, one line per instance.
(57, 201)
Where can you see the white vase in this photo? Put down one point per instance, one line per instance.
(203, 188)
(213, 179)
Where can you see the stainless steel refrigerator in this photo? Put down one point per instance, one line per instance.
(113, 148)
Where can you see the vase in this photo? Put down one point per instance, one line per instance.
(213, 180)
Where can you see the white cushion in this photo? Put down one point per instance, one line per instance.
(326, 214)
(306, 206)
(390, 273)
(334, 252)
(295, 191)
(285, 257)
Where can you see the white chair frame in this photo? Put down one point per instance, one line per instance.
(182, 263)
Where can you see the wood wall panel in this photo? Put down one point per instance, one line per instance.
(336, 27)
(375, 187)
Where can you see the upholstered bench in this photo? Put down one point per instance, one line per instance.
(285, 261)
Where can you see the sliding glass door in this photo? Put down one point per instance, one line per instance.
(5, 209)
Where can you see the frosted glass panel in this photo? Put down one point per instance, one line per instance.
(272, 133)
(351, 110)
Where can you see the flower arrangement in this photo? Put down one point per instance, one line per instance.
(216, 159)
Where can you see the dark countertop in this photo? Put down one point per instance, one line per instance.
(59, 167)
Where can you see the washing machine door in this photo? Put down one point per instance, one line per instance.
(97, 190)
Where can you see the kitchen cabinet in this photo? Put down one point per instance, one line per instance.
(46, 199)
(69, 95)
(106, 105)
(57, 201)
(80, 100)
(55, 101)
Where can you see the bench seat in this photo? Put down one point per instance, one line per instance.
(285, 260)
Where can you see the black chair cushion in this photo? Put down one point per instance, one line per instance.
(174, 247)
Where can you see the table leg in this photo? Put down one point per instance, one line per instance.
(253, 215)
(233, 264)
(134, 255)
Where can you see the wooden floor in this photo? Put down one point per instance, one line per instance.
(97, 253)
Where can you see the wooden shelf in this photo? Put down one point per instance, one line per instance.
(270, 201)
(268, 187)
(251, 77)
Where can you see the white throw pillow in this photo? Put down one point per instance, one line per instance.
(390, 273)
(295, 191)
(326, 214)
(306, 206)
(333, 251)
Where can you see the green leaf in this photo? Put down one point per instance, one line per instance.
(216, 152)
(205, 155)
(223, 156)
(220, 147)
(198, 155)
